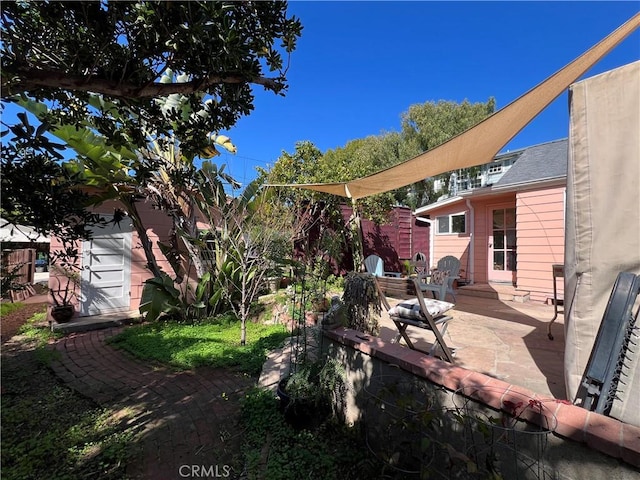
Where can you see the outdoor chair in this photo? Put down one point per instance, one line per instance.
(437, 283)
(614, 352)
(416, 311)
(419, 264)
(375, 266)
(450, 265)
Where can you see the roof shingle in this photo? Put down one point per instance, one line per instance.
(537, 163)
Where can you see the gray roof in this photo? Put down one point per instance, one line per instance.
(539, 162)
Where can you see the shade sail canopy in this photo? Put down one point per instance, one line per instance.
(481, 143)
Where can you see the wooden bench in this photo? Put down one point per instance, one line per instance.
(415, 311)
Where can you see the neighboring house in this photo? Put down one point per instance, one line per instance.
(506, 225)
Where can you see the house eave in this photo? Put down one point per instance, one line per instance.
(494, 190)
(531, 185)
(439, 204)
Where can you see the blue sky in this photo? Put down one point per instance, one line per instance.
(359, 65)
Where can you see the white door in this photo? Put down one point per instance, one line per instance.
(106, 270)
(502, 244)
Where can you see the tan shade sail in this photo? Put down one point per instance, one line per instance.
(481, 143)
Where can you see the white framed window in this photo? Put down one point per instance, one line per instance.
(455, 223)
(476, 182)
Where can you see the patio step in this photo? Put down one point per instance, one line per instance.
(504, 292)
(95, 322)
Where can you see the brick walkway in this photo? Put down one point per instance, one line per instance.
(185, 419)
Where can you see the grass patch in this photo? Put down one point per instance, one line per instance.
(36, 328)
(272, 449)
(49, 431)
(215, 344)
(6, 307)
(61, 436)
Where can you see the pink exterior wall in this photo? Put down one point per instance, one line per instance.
(456, 244)
(540, 240)
(482, 210)
(158, 227)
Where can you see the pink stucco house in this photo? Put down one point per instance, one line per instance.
(112, 264)
(506, 224)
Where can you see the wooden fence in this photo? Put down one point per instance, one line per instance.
(24, 263)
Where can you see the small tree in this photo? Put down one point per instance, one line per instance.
(39, 190)
(251, 243)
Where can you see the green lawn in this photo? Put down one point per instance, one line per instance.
(6, 308)
(215, 344)
(48, 430)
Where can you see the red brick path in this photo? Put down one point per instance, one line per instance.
(184, 418)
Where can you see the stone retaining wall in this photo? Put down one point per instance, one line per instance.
(531, 436)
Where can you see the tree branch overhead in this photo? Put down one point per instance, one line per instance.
(33, 79)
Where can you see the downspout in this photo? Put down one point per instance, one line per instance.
(472, 226)
(432, 234)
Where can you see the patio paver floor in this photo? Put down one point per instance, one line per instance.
(505, 340)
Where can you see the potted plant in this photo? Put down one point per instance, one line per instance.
(306, 395)
(320, 303)
(336, 316)
(407, 268)
(273, 283)
(63, 307)
(362, 302)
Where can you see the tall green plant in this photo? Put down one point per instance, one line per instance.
(248, 244)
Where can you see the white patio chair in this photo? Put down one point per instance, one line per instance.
(375, 266)
(452, 265)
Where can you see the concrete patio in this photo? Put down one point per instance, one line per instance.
(502, 339)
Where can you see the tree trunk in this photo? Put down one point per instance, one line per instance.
(243, 332)
(244, 309)
(357, 239)
(147, 247)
